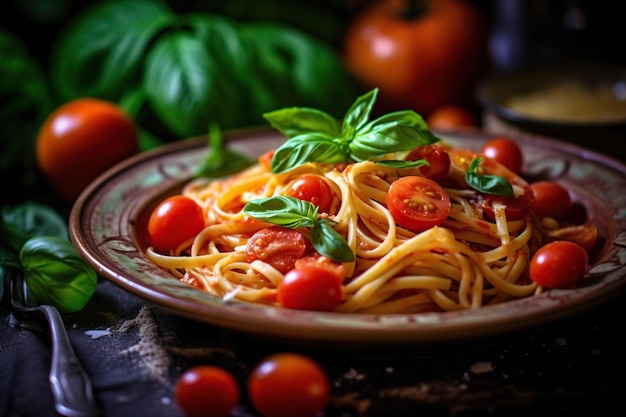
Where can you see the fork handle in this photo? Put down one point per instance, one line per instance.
(69, 381)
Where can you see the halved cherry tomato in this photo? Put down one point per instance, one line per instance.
(438, 160)
(288, 385)
(174, 221)
(516, 206)
(417, 203)
(559, 264)
(310, 288)
(314, 189)
(506, 151)
(278, 246)
(551, 200)
(207, 391)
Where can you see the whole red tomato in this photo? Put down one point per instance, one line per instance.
(420, 53)
(80, 140)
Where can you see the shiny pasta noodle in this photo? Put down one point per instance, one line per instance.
(464, 263)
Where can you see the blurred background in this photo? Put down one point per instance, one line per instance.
(176, 67)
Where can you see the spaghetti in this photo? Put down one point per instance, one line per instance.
(463, 263)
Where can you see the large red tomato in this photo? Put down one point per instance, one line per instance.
(420, 54)
(80, 140)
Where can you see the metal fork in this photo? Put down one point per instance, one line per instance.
(70, 383)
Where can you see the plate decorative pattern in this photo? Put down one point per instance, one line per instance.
(108, 219)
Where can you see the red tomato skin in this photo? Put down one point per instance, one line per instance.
(506, 151)
(80, 140)
(174, 221)
(419, 62)
(559, 264)
(207, 391)
(438, 160)
(314, 189)
(278, 246)
(551, 200)
(310, 288)
(417, 203)
(288, 385)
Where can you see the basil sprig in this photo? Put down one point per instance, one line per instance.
(220, 160)
(294, 213)
(489, 184)
(315, 136)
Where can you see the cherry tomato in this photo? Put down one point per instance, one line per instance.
(420, 54)
(174, 221)
(80, 140)
(516, 206)
(506, 151)
(450, 117)
(417, 203)
(559, 264)
(278, 246)
(551, 200)
(207, 391)
(438, 160)
(314, 189)
(310, 288)
(288, 385)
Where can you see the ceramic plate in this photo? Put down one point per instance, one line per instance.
(108, 220)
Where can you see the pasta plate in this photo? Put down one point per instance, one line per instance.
(108, 226)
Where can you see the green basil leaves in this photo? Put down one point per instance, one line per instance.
(489, 184)
(294, 213)
(34, 241)
(314, 136)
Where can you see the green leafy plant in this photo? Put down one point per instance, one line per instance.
(315, 136)
(294, 213)
(489, 184)
(183, 71)
(34, 242)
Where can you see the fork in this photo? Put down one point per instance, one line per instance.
(70, 383)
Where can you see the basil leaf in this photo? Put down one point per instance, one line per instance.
(489, 184)
(294, 213)
(185, 87)
(329, 243)
(220, 161)
(57, 274)
(283, 211)
(359, 112)
(308, 147)
(393, 132)
(28, 219)
(295, 121)
(101, 53)
(399, 164)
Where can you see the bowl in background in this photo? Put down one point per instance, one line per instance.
(582, 103)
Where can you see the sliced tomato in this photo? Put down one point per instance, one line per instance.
(417, 203)
(438, 161)
(314, 189)
(278, 246)
(516, 206)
